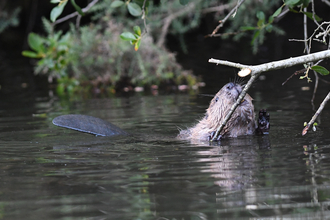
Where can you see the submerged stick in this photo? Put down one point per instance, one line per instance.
(256, 70)
(317, 113)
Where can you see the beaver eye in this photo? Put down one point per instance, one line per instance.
(216, 99)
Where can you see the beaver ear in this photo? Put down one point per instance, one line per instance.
(206, 115)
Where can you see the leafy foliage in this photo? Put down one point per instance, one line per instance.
(8, 19)
(97, 57)
(320, 69)
(57, 11)
(103, 55)
(133, 8)
(98, 52)
(134, 39)
(53, 52)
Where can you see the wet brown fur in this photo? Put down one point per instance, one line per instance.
(242, 121)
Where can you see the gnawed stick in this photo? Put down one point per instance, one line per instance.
(317, 113)
(276, 64)
(257, 70)
(232, 109)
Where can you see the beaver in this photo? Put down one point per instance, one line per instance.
(242, 121)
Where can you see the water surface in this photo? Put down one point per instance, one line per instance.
(49, 172)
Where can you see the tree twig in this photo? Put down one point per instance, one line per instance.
(313, 12)
(74, 14)
(220, 8)
(300, 72)
(323, 33)
(294, 74)
(168, 20)
(256, 69)
(307, 49)
(233, 107)
(326, 2)
(325, 81)
(144, 16)
(223, 21)
(317, 113)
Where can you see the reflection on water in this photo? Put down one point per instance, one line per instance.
(49, 172)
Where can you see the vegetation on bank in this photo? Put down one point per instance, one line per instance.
(121, 46)
(96, 57)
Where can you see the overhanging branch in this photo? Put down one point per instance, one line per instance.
(256, 70)
(281, 64)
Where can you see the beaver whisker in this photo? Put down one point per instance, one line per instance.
(207, 95)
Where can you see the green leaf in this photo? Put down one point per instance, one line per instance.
(78, 9)
(128, 36)
(261, 23)
(48, 27)
(30, 54)
(261, 15)
(184, 2)
(50, 63)
(277, 12)
(269, 28)
(320, 69)
(305, 3)
(310, 15)
(270, 19)
(116, 4)
(292, 10)
(57, 11)
(137, 44)
(137, 30)
(256, 34)
(35, 41)
(291, 3)
(55, 1)
(248, 28)
(134, 9)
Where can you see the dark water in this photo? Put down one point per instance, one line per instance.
(47, 172)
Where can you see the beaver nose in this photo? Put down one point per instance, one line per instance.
(230, 85)
(238, 88)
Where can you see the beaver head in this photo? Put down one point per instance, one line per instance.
(222, 102)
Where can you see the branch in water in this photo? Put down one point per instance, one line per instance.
(317, 113)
